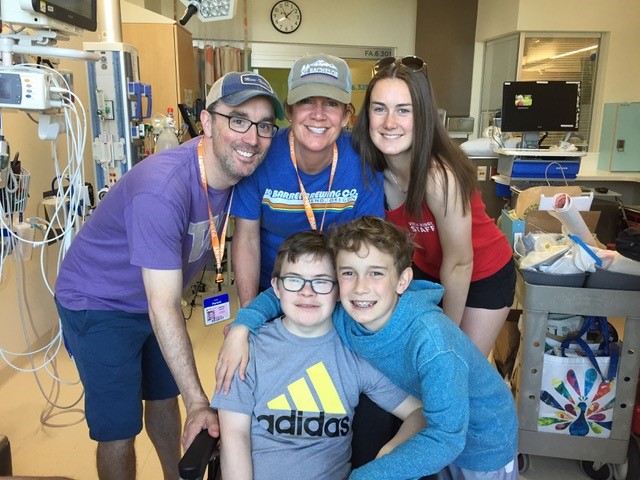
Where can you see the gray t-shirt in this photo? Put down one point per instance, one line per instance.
(301, 394)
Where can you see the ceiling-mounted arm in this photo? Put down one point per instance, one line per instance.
(209, 10)
(191, 10)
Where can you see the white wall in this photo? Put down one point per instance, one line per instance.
(331, 22)
(496, 18)
(619, 61)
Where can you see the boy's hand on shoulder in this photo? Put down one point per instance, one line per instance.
(234, 353)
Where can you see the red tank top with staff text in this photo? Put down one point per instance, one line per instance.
(491, 251)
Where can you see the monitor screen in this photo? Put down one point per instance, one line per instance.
(551, 106)
(70, 16)
(80, 13)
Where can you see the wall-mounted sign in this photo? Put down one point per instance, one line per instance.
(282, 55)
(378, 53)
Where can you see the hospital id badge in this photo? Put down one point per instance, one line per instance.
(216, 309)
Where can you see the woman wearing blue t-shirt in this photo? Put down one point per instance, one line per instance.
(310, 179)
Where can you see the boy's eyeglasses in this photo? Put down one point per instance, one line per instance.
(321, 286)
(242, 125)
(410, 61)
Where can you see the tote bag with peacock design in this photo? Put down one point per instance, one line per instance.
(578, 391)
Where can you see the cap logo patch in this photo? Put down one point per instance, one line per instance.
(256, 81)
(319, 67)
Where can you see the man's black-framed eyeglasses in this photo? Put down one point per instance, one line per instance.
(321, 286)
(242, 125)
(410, 61)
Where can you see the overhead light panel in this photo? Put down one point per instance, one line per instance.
(209, 10)
(573, 52)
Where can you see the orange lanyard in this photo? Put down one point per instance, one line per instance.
(216, 243)
(305, 197)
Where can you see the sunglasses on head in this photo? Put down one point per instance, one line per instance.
(410, 61)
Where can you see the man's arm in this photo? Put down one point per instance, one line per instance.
(245, 256)
(410, 411)
(164, 292)
(235, 448)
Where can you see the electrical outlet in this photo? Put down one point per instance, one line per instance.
(482, 173)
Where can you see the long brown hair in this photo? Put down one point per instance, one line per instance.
(432, 151)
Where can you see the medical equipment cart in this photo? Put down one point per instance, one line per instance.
(594, 453)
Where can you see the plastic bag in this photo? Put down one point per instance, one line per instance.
(555, 254)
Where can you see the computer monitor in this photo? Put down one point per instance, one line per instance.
(68, 16)
(542, 106)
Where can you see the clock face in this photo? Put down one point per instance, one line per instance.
(286, 16)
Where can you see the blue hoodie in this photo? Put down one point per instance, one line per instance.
(470, 412)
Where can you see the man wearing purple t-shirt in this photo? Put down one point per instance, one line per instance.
(119, 288)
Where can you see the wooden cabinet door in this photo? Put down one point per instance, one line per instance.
(166, 62)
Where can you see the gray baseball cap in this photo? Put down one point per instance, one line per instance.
(319, 75)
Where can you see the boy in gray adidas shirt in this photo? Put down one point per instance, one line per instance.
(292, 417)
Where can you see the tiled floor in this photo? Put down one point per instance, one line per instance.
(65, 449)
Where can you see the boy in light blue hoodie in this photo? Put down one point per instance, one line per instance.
(293, 415)
(396, 325)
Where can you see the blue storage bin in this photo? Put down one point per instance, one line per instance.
(537, 169)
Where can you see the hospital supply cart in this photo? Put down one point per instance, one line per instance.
(594, 453)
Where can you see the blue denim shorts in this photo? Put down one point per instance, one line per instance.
(120, 364)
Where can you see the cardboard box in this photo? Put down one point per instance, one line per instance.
(539, 221)
(542, 221)
(511, 227)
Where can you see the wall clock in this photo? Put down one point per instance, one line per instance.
(286, 16)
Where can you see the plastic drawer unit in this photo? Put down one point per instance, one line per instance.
(540, 300)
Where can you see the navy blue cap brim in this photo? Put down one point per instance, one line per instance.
(242, 96)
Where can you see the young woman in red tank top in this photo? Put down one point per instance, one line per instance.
(430, 189)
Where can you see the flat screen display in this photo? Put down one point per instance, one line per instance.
(79, 13)
(552, 106)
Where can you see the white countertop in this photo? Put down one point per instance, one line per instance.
(589, 172)
(542, 152)
(607, 176)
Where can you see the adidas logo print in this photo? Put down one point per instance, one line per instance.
(297, 421)
(303, 398)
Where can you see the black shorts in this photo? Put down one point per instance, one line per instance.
(491, 293)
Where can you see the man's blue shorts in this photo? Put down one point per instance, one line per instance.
(120, 364)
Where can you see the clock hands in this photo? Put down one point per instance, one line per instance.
(286, 16)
